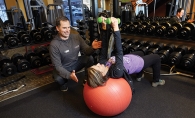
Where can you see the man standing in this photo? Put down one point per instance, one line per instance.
(64, 52)
(178, 16)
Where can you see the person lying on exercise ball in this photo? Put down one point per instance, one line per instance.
(120, 65)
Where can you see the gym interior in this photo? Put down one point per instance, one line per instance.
(28, 90)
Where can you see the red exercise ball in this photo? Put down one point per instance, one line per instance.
(108, 100)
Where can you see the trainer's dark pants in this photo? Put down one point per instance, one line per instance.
(83, 61)
(152, 60)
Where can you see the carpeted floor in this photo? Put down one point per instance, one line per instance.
(176, 99)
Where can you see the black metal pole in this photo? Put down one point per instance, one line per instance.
(70, 11)
(185, 8)
(115, 8)
(176, 6)
(94, 4)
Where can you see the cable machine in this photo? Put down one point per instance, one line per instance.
(36, 12)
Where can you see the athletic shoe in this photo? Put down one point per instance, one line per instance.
(161, 82)
(140, 78)
(64, 87)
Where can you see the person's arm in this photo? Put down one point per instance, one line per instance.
(116, 70)
(88, 50)
(104, 49)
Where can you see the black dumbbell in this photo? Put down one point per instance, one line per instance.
(24, 38)
(186, 31)
(82, 26)
(7, 67)
(173, 30)
(80, 22)
(125, 26)
(145, 47)
(133, 27)
(1, 44)
(43, 53)
(188, 60)
(155, 48)
(142, 27)
(36, 35)
(33, 58)
(54, 30)
(167, 50)
(150, 29)
(46, 33)
(21, 63)
(177, 54)
(11, 41)
(161, 29)
(136, 46)
(126, 43)
(81, 32)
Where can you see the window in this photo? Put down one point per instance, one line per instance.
(3, 14)
(76, 12)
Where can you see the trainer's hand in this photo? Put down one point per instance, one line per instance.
(96, 44)
(73, 76)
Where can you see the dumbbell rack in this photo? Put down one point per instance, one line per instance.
(44, 69)
(173, 70)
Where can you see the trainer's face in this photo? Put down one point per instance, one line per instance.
(64, 29)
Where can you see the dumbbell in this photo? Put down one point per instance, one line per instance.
(33, 58)
(155, 48)
(167, 50)
(11, 41)
(186, 31)
(43, 53)
(145, 47)
(124, 27)
(82, 26)
(175, 57)
(173, 30)
(36, 35)
(7, 67)
(126, 43)
(81, 22)
(142, 27)
(81, 32)
(188, 60)
(24, 38)
(150, 29)
(1, 44)
(93, 30)
(46, 33)
(54, 30)
(161, 29)
(133, 27)
(21, 63)
(136, 46)
(107, 20)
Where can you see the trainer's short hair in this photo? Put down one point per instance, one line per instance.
(61, 18)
